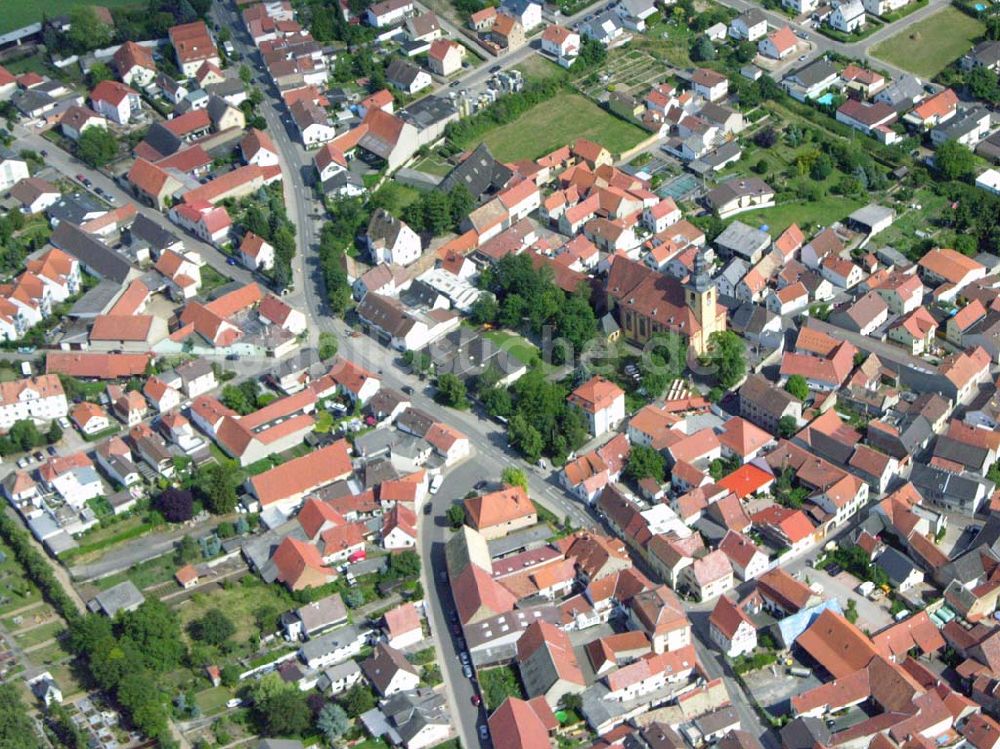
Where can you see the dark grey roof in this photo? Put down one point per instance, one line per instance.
(279, 744)
(742, 239)
(121, 597)
(963, 124)
(750, 318)
(162, 140)
(896, 565)
(383, 227)
(385, 402)
(74, 208)
(934, 482)
(228, 87)
(384, 663)
(98, 257)
(410, 712)
(217, 107)
(752, 17)
(30, 101)
(902, 93)
(401, 71)
(429, 111)
(329, 642)
(97, 300)
(805, 733)
(970, 456)
(157, 236)
(480, 172)
(813, 73)
(738, 187)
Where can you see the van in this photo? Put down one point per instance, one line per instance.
(436, 483)
(26, 368)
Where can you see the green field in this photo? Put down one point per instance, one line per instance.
(558, 122)
(239, 602)
(823, 212)
(515, 345)
(928, 47)
(17, 14)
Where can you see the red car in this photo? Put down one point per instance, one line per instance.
(476, 700)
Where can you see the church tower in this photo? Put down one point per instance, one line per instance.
(701, 296)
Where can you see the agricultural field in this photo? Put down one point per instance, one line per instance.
(558, 122)
(941, 38)
(18, 14)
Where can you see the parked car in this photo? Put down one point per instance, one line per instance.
(230, 261)
(467, 671)
(476, 700)
(408, 389)
(484, 732)
(436, 484)
(833, 569)
(496, 68)
(480, 485)
(64, 422)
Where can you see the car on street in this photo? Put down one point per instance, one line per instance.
(230, 261)
(480, 485)
(496, 68)
(44, 153)
(455, 629)
(427, 508)
(408, 389)
(833, 569)
(63, 422)
(86, 182)
(436, 484)
(453, 615)
(51, 450)
(39, 456)
(476, 700)
(80, 178)
(467, 671)
(22, 462)
(443, 576)
(454, 84)
(802, 57)
(484, 732)
(464, 657)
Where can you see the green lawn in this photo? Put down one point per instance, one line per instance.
(239, 602)
(926, 48)
(823, 212)
(433, 164)
(16, 590)
(395, 196)
(17, 14)
(514, 345)
(537, 69)
(558, 122)
(213, 699)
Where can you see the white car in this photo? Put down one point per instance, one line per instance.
(436, 483)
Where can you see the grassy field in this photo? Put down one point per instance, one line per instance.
(213, 699)
(239, 603)
(558, 122)
(433, 164)
(821, 213)
(18, 14)
(940, 39)
(536, 69)
(40, 634)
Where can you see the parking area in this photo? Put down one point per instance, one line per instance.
(872, 615)
(774, 686)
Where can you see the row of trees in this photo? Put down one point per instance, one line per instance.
(335, 241)
(265, 216)
(24, 436)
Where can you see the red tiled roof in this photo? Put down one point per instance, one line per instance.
(323, 466)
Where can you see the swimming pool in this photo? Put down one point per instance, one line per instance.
(826, 98)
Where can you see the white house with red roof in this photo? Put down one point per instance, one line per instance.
(445, 57)
(163, 397)
(182, 271)
(602, 401)
(399, 528)
(210, 223)
(746, 558)
(731, 628)
(76, 119)
(658, 217)
(255, 252)
(402, 626)
(116, 101)
(275, 311)
(562, 43)
(258, 148)
(134, 64)
(193, 45)
(90, 418)
(354, 381)
(779, 44)
(448, 442)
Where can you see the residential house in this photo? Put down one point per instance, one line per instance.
(116, 101)
(848, 17)
(602, 401)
